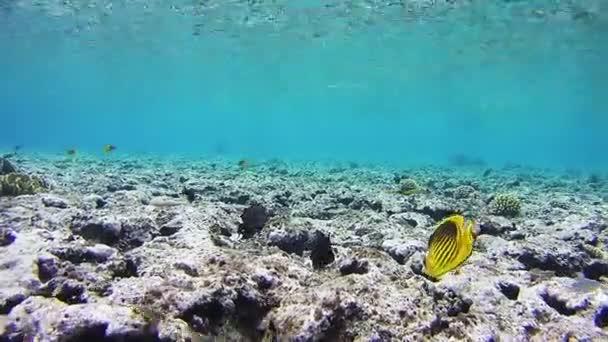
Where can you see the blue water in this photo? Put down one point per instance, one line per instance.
(369, 81)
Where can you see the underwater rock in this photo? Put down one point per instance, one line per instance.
(6, 167)
(333, 313)
(124, 234)
(55, 202)
(241, 309)
(321, 251)
(283, 198)
(563, 303)
(7, 236)
(291, 241)
(353, 265)
(362, 203)
(171, 227)
(126, 267)
(417, 263)
(69, 291)
(436, 208)
(411, 219)
(97, 201)
(345, 199)
(16, 184)
(579, 235)
(122, 186)
(8, 302)
(188, 268)
(48, 319)
(190, 193)
(254, 218)
(464, 191)
(106, 230)
(448, 302)
(499, 283)
(47, 267)
(401, 252)
(559, 204)
(264, 280)
(136, 231)
(548, 254)
(600, 317)
(510, 290)
(208, 313)
(408, 187)
(495, 225)
(235, 197)
(98, 253)
(596, 269)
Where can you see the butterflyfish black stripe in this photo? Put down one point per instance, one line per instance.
(449, 231)
(440, 234)
(440, 243)
(445, 250)
(441, 229)
(453, 253)
(442, 258)
(457, 247)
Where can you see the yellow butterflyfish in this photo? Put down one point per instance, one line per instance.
(450, 245)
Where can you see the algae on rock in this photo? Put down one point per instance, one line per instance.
(15, 184)
(409, 187)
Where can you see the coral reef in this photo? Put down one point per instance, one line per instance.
(507, 205)
(15, 184)
(176, 250)
(408, 187)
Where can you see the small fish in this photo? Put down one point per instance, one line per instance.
(17, 147)
(450, 245)
(71, 152)
(109, 148)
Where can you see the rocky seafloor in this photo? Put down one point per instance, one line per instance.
(151, 249)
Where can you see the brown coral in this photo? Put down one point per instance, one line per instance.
(15, 184)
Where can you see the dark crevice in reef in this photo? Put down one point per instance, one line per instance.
(562, 266)
(510, 291)
(437, 213)
(92, 333)
(123, 235)
(601, 317)
(557, 304)
(97, 333)
(249, 313)
(254, 219)
(438, 324)
(66, 290)
(596, 270)
(125, 268)
(89, 332)
(206, 317)
(10, 303)
(243, 312)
